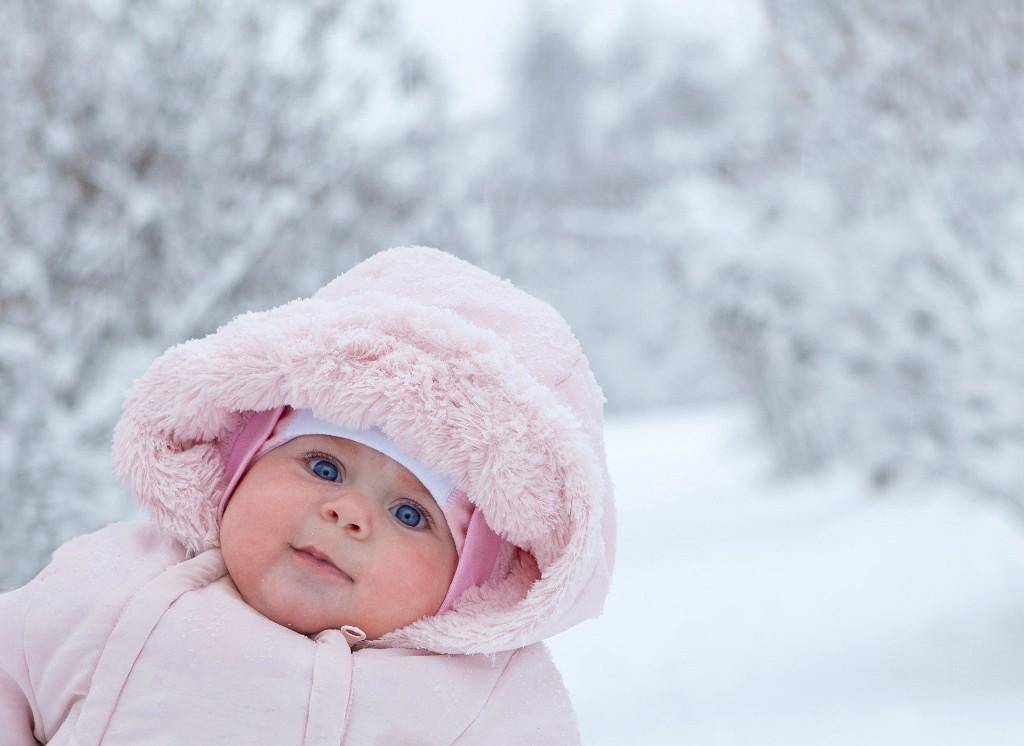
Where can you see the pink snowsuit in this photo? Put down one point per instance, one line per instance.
(136, 634)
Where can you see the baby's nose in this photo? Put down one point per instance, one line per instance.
(350, 511)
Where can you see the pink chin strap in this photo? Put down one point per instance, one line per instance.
(478, 545)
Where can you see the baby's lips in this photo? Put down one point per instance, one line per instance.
(323, 557)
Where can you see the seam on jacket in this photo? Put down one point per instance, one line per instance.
(318, 652)
(490, 694)
(106, 641)
(120, 690)
(110, 633)
(48, 570)
(28, 671)
(309, 697)
(309, 692)
(351, 693)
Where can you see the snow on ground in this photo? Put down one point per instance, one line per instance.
(748, 611)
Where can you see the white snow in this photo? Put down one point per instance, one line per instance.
(748, 610)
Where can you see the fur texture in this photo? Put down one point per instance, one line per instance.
(462, 370)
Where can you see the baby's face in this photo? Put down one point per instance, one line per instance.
(392, 551)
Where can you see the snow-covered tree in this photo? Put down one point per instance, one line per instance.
(873, 304)
(575, 192)
(164, 165)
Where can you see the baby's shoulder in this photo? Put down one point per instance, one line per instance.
(122, 551)
(71, 607)
(101, 569)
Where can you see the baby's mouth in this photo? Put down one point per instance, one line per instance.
(318, 560)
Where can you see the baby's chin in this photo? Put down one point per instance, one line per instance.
(311, 622)
(303, 624)
(299, 615)
(290, 610)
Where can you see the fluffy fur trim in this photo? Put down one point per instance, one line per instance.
(460, 369)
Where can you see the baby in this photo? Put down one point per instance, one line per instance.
(368, 510)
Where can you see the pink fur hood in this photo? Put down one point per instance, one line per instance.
(460, 369)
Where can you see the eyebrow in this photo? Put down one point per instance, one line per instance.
(409, 483)
(419, 491)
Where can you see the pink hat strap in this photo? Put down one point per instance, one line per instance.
(479, 557)
(250, 439)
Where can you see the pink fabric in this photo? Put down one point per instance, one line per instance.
(149, 646)
(248, 442)
(479, 557)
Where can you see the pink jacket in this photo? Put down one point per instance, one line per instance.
(136, 635)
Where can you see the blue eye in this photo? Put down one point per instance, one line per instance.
(324, 469)
(409, 515)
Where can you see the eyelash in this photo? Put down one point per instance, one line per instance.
(423, 511)
(307, 457)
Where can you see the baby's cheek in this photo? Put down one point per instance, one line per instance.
(422, 576)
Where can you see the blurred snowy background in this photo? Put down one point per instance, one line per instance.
(789, 233)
